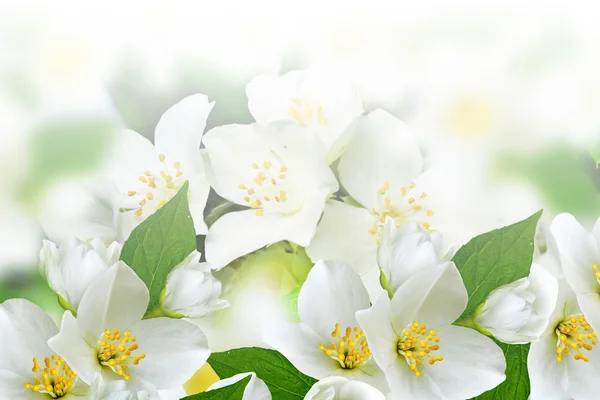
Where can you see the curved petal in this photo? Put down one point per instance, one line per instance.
(341, 294)
(70, 343)
(25, 329)
(392, 152)
(435, 297)
(579, 374)
(256, 389)
(117, 300)
(269, 95)
(578, 252)
(179, 131)
(343, 389)
(548, 378)
(300, 344)
(13, 386)
(472, 363)
(404, 384)
(343, 234)
(198, 196)
(381, 336)
(230, 153)
(590, 306)
(175, 350)
(239, 233)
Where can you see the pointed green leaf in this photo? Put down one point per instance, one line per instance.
(160, 243)
(285, 382)
(496, 258)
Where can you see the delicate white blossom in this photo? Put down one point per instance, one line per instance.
(275, 172)
(318, 98)
(421, 353)
(339, 388)
(256, 389)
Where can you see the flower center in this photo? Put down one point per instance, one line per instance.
(350, 350)
(115, 351)
(55, 379)
(266, 187)
(574, 334)
(305, 111)
(406, 209)
(158, 189)
(416, 345)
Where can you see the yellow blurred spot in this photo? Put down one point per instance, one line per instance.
(202, 380)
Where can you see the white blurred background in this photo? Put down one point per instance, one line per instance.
(505, 97)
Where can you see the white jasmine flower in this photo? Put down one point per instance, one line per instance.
(147, 176)
(192, 290)
(421, 353)
(409, 249)
(109, 336)
(579, 252)
(378, 169)
(318, 98)
(256, 389)
(29, 369)
(328, 340)
(72, 267)
(339, 388)
(274, 171)
(563, 362)
(519, 312)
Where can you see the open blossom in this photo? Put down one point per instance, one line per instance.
(579, 252)
(408, 249)
(275, 172)
(29, 369)
(317, 98)
(109, 337)
(565, 360)
(192, 290)
(256, 389)
(379, 169)
(75, 265)
(421, 353)
(328, 341)
(519, 312)
(337, 387)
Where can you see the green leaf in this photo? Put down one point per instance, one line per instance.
(160, 243)
(494, 259)
(516, 386)
(283, 379)
(231, 392)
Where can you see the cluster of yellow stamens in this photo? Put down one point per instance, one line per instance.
(408, 209)
(349, 350)
(159, 188)
(264, 187)
(416, 345)
(115, 350)
(574, 334)
(304, 112)
(55, 379)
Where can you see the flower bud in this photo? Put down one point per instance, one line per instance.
(519, 312)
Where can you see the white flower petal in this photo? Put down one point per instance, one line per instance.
(391, 151)
(343, 234)
(256, 389)
(239, 233)
(547, 377)
(579, 374)
(435, 297)
(590, 306)
(404, 384)
(179, 132)
(12, 386)
(197, 197)
(472, 363)
(578, 252)
(341, 294)
(382, 339)
(344, 389)
(300, 344)
(81, 356)
(175, 350)
(117, 300)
